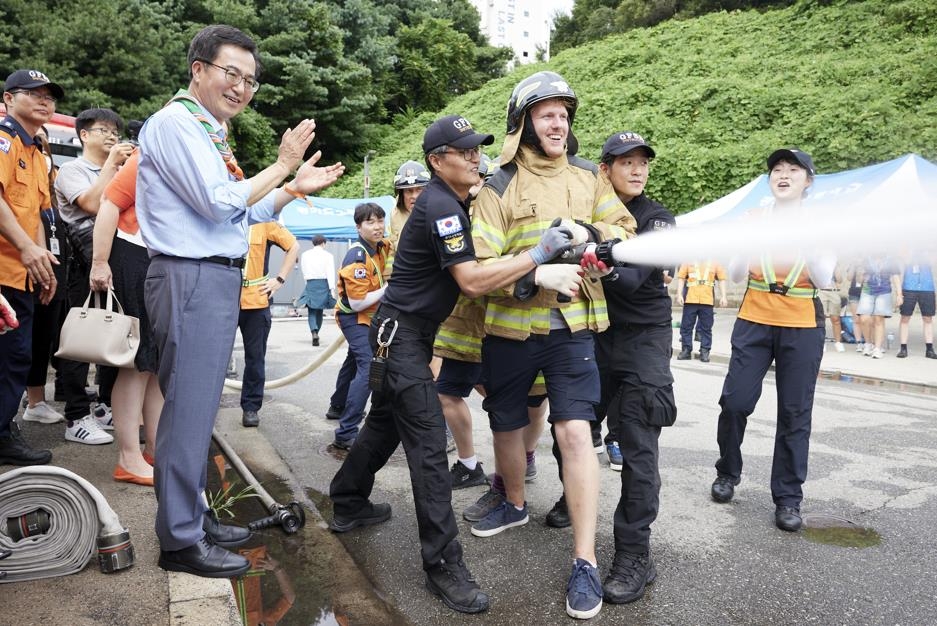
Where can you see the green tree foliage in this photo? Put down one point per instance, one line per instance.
(851, 83)
(341, 62)
(594, 19)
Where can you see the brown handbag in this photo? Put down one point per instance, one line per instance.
(103, 336)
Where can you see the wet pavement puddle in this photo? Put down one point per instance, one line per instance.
(838, 531)
(302, 578)
(892, 385)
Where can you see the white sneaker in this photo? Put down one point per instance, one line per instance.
(840, 347)
(102, 413)
(87, 430)
(869, 347)
(860, 347)
(42, 413)
(876, 353)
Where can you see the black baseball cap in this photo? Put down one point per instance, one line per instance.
(794, 155)
(31, 79)
(455, 131)
(623, 143)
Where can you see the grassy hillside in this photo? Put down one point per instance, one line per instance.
(853, 84)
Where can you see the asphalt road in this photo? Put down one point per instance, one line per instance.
(872, 461)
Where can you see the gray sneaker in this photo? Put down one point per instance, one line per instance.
(489, 501)
(530, 475)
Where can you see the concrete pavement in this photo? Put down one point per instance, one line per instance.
(292, 424)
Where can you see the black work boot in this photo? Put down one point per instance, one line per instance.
(704, 355)
(788, 518)
(629, 575)
(558, 517)
(685, 354)
(724, 488)
(456, 587)
(369, 514)
(15, 451)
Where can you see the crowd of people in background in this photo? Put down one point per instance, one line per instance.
(463, 295)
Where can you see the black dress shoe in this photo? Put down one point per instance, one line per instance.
(15, 451)
(203, 558)
(369, 514)
(558, 517)
(222, 534)
(724, 488)
(250, 419)
(788, 518)
(334, 413)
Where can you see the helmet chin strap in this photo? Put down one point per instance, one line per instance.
(529, 136)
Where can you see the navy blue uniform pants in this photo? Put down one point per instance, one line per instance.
(359, 350)
(15, 356)
(796, 353)
(407, 411)
(701, 316)
(255, 329)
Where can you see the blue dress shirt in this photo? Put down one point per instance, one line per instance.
(188, 203)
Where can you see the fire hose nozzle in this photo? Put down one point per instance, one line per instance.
(115, 552)
(290, 518)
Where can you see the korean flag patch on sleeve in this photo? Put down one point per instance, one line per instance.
(5, 144)
(448, 226)
(361, 273)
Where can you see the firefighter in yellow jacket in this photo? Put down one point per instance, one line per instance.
(528, 329)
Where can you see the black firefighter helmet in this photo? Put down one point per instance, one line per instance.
(536, 88)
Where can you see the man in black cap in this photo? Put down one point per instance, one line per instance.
(633, 357)
(435, 261)
(25, 260)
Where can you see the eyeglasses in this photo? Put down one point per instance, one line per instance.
(35, 95)
(105, 132)
(469, 154)
(234, 77)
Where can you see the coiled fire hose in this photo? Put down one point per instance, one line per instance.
(51, 519)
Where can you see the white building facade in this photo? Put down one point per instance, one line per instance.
(522, 25)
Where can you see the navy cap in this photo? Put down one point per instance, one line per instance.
(31, 79)
(794, 155)
(623, 143)
(455, 131)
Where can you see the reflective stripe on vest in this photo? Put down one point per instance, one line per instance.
(770, 280)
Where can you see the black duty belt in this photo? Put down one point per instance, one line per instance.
(407, 320)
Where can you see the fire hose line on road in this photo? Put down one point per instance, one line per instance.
(310, 367)
(50, 521)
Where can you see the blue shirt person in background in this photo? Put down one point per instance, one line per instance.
(917, 289)
(194, 207)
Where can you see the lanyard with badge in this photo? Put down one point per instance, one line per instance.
(54, 248)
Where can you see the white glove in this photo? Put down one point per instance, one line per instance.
(595, 268)
(8, 319)
(560, 277)
(580, 234)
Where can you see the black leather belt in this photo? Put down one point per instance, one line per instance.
(223, 260)
(407, 320)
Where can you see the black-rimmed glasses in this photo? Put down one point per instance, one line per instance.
(35, 95)
(469, 154)
(234, 77)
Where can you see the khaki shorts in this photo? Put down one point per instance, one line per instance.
(831, 301)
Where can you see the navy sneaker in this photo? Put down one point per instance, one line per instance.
(614, 456)
(583, 591)
(504, 517)
(489, 501)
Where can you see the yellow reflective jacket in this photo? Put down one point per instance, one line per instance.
(513, 210)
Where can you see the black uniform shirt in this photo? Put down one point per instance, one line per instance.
(437, 235)
(638, 295)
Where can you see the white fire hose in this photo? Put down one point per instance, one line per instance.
(304, 371)
(51, 520)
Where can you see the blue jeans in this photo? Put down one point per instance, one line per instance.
(359, 348)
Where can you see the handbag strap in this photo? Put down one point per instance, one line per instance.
(107, 305)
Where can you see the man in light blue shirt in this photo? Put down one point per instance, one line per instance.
(194, 207)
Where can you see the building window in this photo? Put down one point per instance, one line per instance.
(524, 54)
(526, 34)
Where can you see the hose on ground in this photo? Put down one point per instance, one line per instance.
(51, 520)
(310, 367)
